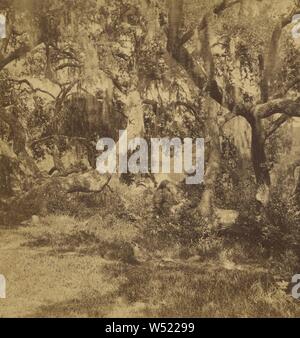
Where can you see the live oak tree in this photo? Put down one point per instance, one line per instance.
(77, 97)
(157, 68)
(230, 26)
(32, 27)
(43, 37)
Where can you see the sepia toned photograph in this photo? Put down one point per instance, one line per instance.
(149, 160)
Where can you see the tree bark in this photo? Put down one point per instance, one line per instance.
(259, 162)
(204, 79)
(205, 206)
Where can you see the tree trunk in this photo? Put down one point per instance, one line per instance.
(259, 161)
(202, 78)
(205, 206)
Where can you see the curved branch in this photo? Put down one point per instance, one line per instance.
(18, 53)
(225, 4)
(278, 106)
(34, 90)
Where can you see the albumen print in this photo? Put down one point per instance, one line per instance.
(149, 159)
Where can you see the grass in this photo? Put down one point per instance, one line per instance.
(122, 261)
(110, 284)
(205, 290)
(105, 237)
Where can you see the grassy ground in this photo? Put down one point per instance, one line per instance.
(56, 268)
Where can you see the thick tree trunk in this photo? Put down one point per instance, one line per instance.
(259, 161)
(205, 206)
(204, 80)
(259, 158)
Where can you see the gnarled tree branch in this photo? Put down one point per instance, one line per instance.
(277, 106)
